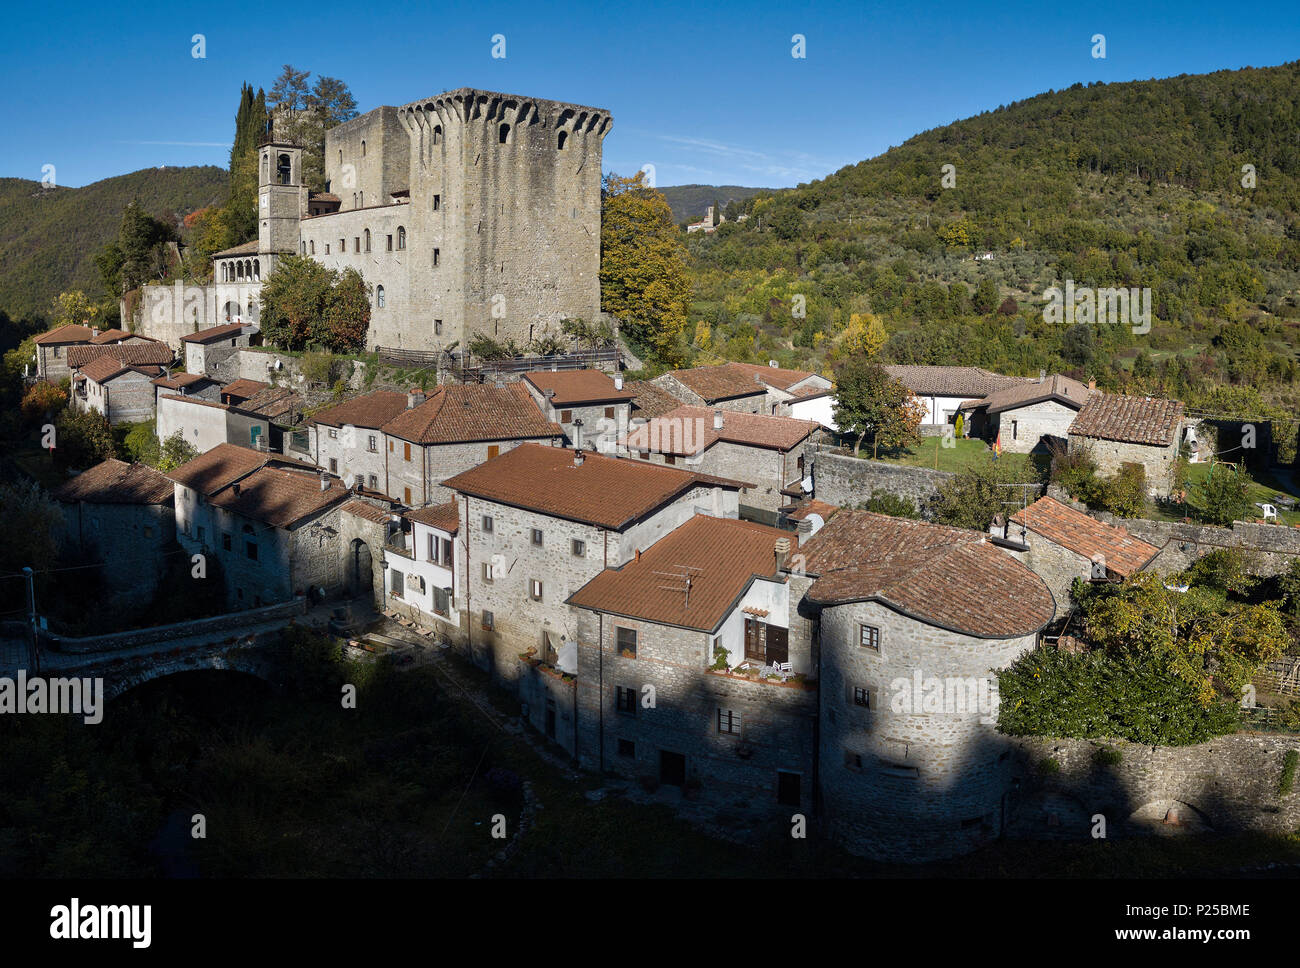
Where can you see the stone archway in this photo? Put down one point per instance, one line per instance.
(1169, 816)
(361, 567)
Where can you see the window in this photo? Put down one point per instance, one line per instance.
(356, 244)
(437, 134)
(488, 622)
(728, 721)
(406, 451)
(250, 549)
(363, 149)
(579, 548)
(441, 601)
(494, 450)
(437, 327)
(566, 416)
(334, 434)
(626, 748)
(367, 238)
(535, 589)
(869, 637)
(1014, 426)
(537, 537)
(398, 580)
(374, 443)
(437, 202)
(625, 700)
(225, 541)
(862, 697)
(401, 237)
(609, 413)
(503, 134)
(343, 246)
(327, 248)
(390, 242)
(379, 297)
(437, 255)
(560, 140)
(626, 639)
(406, 496)
(487, 571)
(487, 524)
(312, 246)
(374, 483)
(444, 552)
(334, 466)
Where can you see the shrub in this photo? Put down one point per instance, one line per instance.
(1287, 780)
(1107, 756)
(1048, 766)
(894, 505)
(1221, 497)
(42, 399)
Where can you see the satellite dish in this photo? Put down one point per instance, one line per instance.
(816, 521)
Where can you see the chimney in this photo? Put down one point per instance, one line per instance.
(94, 331)
(782, 551)
(324, 481)
(550, 394)
(618, 382)
(1042, 375)
(235, 488)
(578, 458)
(805, 528)
(414, 398)
(717, 418)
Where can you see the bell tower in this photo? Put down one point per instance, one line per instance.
(281, 197)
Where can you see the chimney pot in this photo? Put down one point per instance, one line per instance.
(1092, 384)
(618, 382)
(324, 482)
(414, 398)
(782, 551)
(717, 418)
(578, 458)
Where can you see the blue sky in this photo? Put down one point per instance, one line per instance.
(705, 93)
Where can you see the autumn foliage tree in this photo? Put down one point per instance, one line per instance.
(42, 399)
(643, 277)
(870, 401)
(305, 304)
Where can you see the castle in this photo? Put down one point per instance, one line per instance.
(467, 212)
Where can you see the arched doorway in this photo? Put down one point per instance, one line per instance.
(362, 577)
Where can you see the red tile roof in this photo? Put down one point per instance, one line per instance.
(721, 555)
(577, 387)
(951, 381)
(103, 369)
(280, 497)
(650, 399)
(1135, 420)
(721, 382)
(1083, 534)
(243, 388)
(245, 248)
(149, 353)
(61, 335)
(214, 333)
(773, 376)
(942, 576)
(109, 336)
(273, 403)
(813, 507)
(117, 482)
(367, 511)
(174, 381)
(689, 430)
(370, 410)
(444, 517)
(609, 492)
(225, 463)
(464, 413)
(1062, 389)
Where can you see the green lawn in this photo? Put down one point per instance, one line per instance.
(1264, 488)
(965, 454)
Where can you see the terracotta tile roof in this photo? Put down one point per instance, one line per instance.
(1083, 534)
(689, 430)
(279, 496)
(110, 336)
(444, 517)
(323, 197)
(148, 353)
(246, 248)
(650, 399)
(721, 382)
(773, 376)
(1056, 387)
(1135, 420)
(174, 381)
(103, 369)
(951, 381)
(370, 410)
(243, 388)
(72, 333)
(368, 511)
(807, 393)
(609, 492)
(942, 576)
(577, 387)
(117, 482)
(463, 413)
(813, 507)
(225, 463)
(273, 403)
(214, 333)
(722, 556)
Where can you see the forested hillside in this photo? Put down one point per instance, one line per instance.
(689, 202)
(1144, 184)
(49, 236)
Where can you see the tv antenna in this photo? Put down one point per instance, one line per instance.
(683, 579)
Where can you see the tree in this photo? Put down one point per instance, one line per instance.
(643, 277)
(175, 451)
(986, 296)
(332, 100)
(82, 438)
(1077, 344)
(303, 303)
(869, 401)
(289, 93)
(29, 522)
(41, 400)
(863, 336)
(73, 308)
(1221, 496)
(973, 497)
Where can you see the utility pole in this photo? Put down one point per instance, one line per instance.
(31, 614)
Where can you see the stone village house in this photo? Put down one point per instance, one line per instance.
(1118, 430)
(591, 408)
(1028, 416)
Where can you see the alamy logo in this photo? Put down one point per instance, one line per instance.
(1083, 304)
(952, 695)
(74, 922)
(80, 697)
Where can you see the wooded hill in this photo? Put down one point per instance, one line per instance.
(49, 236)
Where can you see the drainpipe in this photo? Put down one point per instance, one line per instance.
(469, 617)
(600, 691)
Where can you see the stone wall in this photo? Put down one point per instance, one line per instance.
(1023, 428)
(161, 633)
(1111, 455)
(1229, 784)
(142, 534)
(848, 481)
